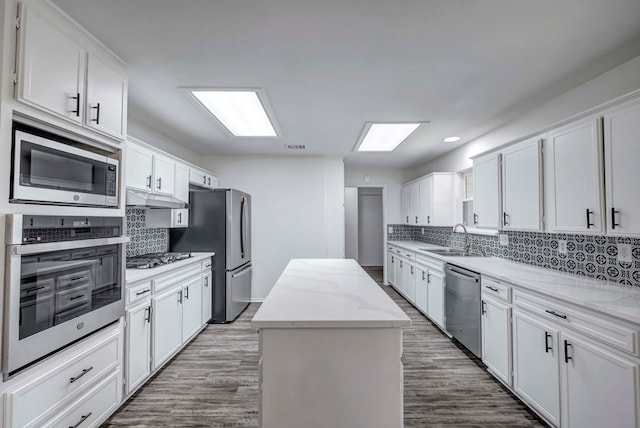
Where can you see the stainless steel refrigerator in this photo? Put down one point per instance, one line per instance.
(220, 221)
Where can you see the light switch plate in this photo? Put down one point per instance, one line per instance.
(624, 253)
(562, 246)
(504, 239)
(390, 229)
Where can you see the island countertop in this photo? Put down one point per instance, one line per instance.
(334, 293)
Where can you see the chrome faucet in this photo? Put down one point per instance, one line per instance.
(466, 237)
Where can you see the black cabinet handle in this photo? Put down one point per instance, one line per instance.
(77, 110)
(147, 317)
(566, 352)
(180, 296)
(407, 219)
(149, 182)
(206, 281)
(491, 288)
(186, 293)
(209, 180)
(589, 224)
(140, 293)
(411, 270)
(76, 297)
(504, 219)
(554, 313)
(179, 218)
(428, 219)
(159, 183)
(32, 289)
(97, 109)
(416, 219)
(475, 219)
(423, 275)
(613, 218)
(483, 307)
(547, 348)
(400, 264)
(82, 419)
(429, 277)
(392, 260)
(204, 179)
(84, 372)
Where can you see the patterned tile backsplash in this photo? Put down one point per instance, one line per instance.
(588, 255)
(144, 240)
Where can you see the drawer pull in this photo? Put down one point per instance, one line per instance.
(76, 278)
(32, 289)
(491, 288)
(76, 297)
(547, 348)
(82, 419)
(84, 372)
(140, 293)
(566, 352)
(483, 308)
(555, 314)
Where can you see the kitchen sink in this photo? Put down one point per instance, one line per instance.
(452, 252)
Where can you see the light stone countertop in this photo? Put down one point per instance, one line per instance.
(328, 293)
(622, 301)
(136, 275)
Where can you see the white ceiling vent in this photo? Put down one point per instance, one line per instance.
(295, 146)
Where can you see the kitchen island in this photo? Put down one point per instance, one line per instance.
(331, 348)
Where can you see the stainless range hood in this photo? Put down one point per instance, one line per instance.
(136, 198)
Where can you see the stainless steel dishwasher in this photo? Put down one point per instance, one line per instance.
(462, 307)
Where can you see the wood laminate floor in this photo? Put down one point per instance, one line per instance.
(213, 382)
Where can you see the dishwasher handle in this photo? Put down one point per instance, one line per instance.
(462, 274)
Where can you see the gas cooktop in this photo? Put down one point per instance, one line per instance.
(148, 261)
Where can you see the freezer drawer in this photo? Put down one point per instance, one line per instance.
(238, 291)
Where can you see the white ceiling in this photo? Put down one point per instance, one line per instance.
(327, 67)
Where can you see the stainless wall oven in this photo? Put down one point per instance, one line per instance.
(48, 168)
(64, 280)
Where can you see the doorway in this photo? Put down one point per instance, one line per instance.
(364, 225)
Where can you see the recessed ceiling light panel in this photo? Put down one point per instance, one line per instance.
(241, 111)
(451, 139)
(385, 137)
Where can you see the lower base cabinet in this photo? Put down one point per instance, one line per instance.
(391, 268)
(435, 297)
(138, 344)
(496, 338)
(421, 289)
(166, 325)
(191, 308)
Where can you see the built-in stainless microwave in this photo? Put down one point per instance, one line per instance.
(50, 171)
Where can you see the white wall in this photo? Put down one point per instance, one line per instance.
(606, 87)
(389, 178)
(351, 223)
(297, 209)
(370, 227)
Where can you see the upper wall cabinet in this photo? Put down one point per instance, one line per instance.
(622, 152)
(429, 201)
(63, 74)
(139, 171)
(201, 178)
(521, 186)
(486, 191)
(573, 179)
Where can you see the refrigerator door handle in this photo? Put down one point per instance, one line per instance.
(242, 201)
(241, 272)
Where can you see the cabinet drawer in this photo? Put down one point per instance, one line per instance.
(138, 292)
(614, 334)
(496, 289)
(408, 254)
(175, 277)
(93, 407)
(430, 263)
(206, 265)
(32, 400)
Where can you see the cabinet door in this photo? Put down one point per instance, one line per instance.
(399, 274)
(163, 174)
(435, 297)
(405, 209)
(409, 281)
(207, 296)
(139, 169)
(573, 182)
(198, 177)
(421, 289)
(181, 181)
(106, 106)
(486, 191)
(496, 338)
(51, 67)
(180, 217)
(391, 268)
(521, 187)
(166, 327)
(191, 308)
(414, 204)
(622, 177)
(601, 388)
(425, 194)
(535, 365)
(138, 346)
(442, 200)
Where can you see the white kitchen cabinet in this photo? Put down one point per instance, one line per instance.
(166, 326)
(573, 180)
(409, 280)
(535, 364)
(421, 288)
(600, 387)
(391, 267)
(181, 182)
(139, 168)
(203, 178)
(429, 201)
(406, 208)
(51, 71)
(521, 186)
(622, 178)
(414, 205)
(167, 218)
(435, 297)
(106, 99)
(486, 191)
(399, 274)
(138, 345)
(191, 308)
(496, 338)
(207, 293)
(163, 175)
(425, 196)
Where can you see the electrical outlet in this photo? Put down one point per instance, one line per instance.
(562, 246)
(390, 229)
(504, 239)
(423, 230)
(624, 253)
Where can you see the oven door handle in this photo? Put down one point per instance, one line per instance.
(18, 250)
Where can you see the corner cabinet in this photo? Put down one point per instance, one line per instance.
(66, 73)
